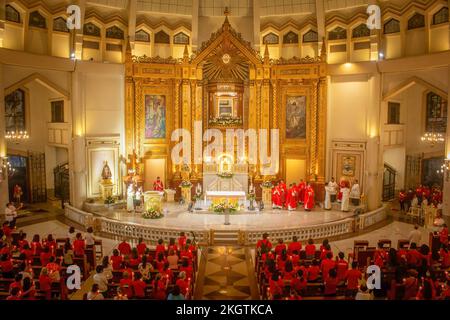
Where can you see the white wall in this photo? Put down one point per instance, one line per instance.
(395, 157)
(208, 25)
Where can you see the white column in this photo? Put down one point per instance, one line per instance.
(256, 25)
(4, 193)
(2, 23)
(374, 163)
(194, 35)
(320, 14)
(78, 34)
(77, 160)
(131, 23)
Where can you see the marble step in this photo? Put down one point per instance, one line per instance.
(226, 236)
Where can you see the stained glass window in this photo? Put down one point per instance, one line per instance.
(311, 36)
(91, 29)
(361, 31)
(60, 24)
(142, 36)
(37, 20)
(12, 14)
(114, 32)
(181, 38)
(436, 114)
(15, 111)
(416, 21)
(162, 37)
(271, 38)
(392, 26)
(290, 37)
(441, 16)
(337, 34)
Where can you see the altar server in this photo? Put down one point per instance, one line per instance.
(301, 190)
(333, 189)
(283, 189)
(328, 192)
(355, 193)
(309, 198)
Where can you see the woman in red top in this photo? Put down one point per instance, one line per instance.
(135, 259)
(116, 260)
(352, 277)
(167, 272)
(331, 283)
(139, 286)
(182, 240)
(172, 245)
(28, 290)
(160, 247)
(45, 283)
(159, 287)
(183, 283)
(22, 240)
(36, 245)
(7, 267)
(141, 247)
(380, 256)
(45, 256)
(324, 251)
(79, 245)
(186, 267)
(280, 247)
(160, 261)
(50, 243)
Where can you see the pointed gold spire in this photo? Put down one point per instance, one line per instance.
(186, 54)
(226, 23)
(323, 51)
(128, 52)
(266, 54)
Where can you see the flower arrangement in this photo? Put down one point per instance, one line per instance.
(185, 184)
(225, 175)
(251, 196)
(225, 121)
(222, 206)
(267, 184)
(152, 213)
(109, 200)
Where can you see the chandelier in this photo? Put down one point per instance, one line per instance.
(17, 135)
(6, 169)
(433, 138)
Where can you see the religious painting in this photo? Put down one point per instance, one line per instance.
(155, 117)
(15, 111)
(296, 117)
(60, 24)
(436, 113)
(11, 14)
(114, 32)
(348, 166)
(37, 20)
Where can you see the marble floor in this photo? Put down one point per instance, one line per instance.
(176, 216)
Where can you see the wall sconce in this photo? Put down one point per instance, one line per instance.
(445, 170)
(6, 170)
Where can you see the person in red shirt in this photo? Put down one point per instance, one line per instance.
(280, 247)
(288, 272)
(313, 271)
(4, 249)
(341, 267)
(352, 277)
(295, 258)
(426, 291)
(295, 245)
(413, 257)
(159, 287)
(160, 261)
(134, 259)
(126, 284)
(26, 250)
(172, 245)
(116, 260)
(183, 283)
(299, 283)
(380, 256)
(141, 247)
(14, 294)
(79, 245)
(325, 251)
(139, 286)
(186, 267)
(17, 282)
(6, 229)
(45, 284)
(45, 256)
(402, 199)
(326, 265)
(182, 240)
(276, 284)
(52, 266)
(50, 243)
(36, 245)
(28, 289)
(160, 247)
(310, 249)
(330, 283)
(445, 256)
(124, 248)
(264, 243)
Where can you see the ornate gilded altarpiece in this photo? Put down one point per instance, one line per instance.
(267, 89)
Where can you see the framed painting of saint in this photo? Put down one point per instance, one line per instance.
(15, 111)
(155, 116)
(296, 117)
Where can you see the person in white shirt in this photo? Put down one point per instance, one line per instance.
(89, 237)
(100, 279)
(95, 294)
(355, 193)
(364, 294)
(333, 189)
(415, 236)
(172, 259)
(10, 213)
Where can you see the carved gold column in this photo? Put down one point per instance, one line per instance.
(265, 105)
(274, 105)
(176, 104)
(186, 108)
(314, 127)
(139, 111)
(322, 100)
(129, 103)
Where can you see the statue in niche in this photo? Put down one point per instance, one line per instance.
(106, 172)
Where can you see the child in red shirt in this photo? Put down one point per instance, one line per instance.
(310, 249)
(327, 265)
(341, 267)
(141, 247)
(116, 260)
(160, 247)
(139, 286)
(79, 245)
(172, 245)
(352, 277)
(331, 283)
(182, 240)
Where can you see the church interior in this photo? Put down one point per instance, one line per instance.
(224, 149)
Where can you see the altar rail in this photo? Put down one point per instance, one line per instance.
(130, 230)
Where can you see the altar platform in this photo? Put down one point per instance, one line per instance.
(246, 227)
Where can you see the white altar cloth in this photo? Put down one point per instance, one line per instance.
(225, 194)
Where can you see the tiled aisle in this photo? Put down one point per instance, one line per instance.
(228, 274)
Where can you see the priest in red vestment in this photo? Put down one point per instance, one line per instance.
(283, 189)
(158, 185)
(309, 198)
(291, 198)
(301, 191)
(276, 197)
